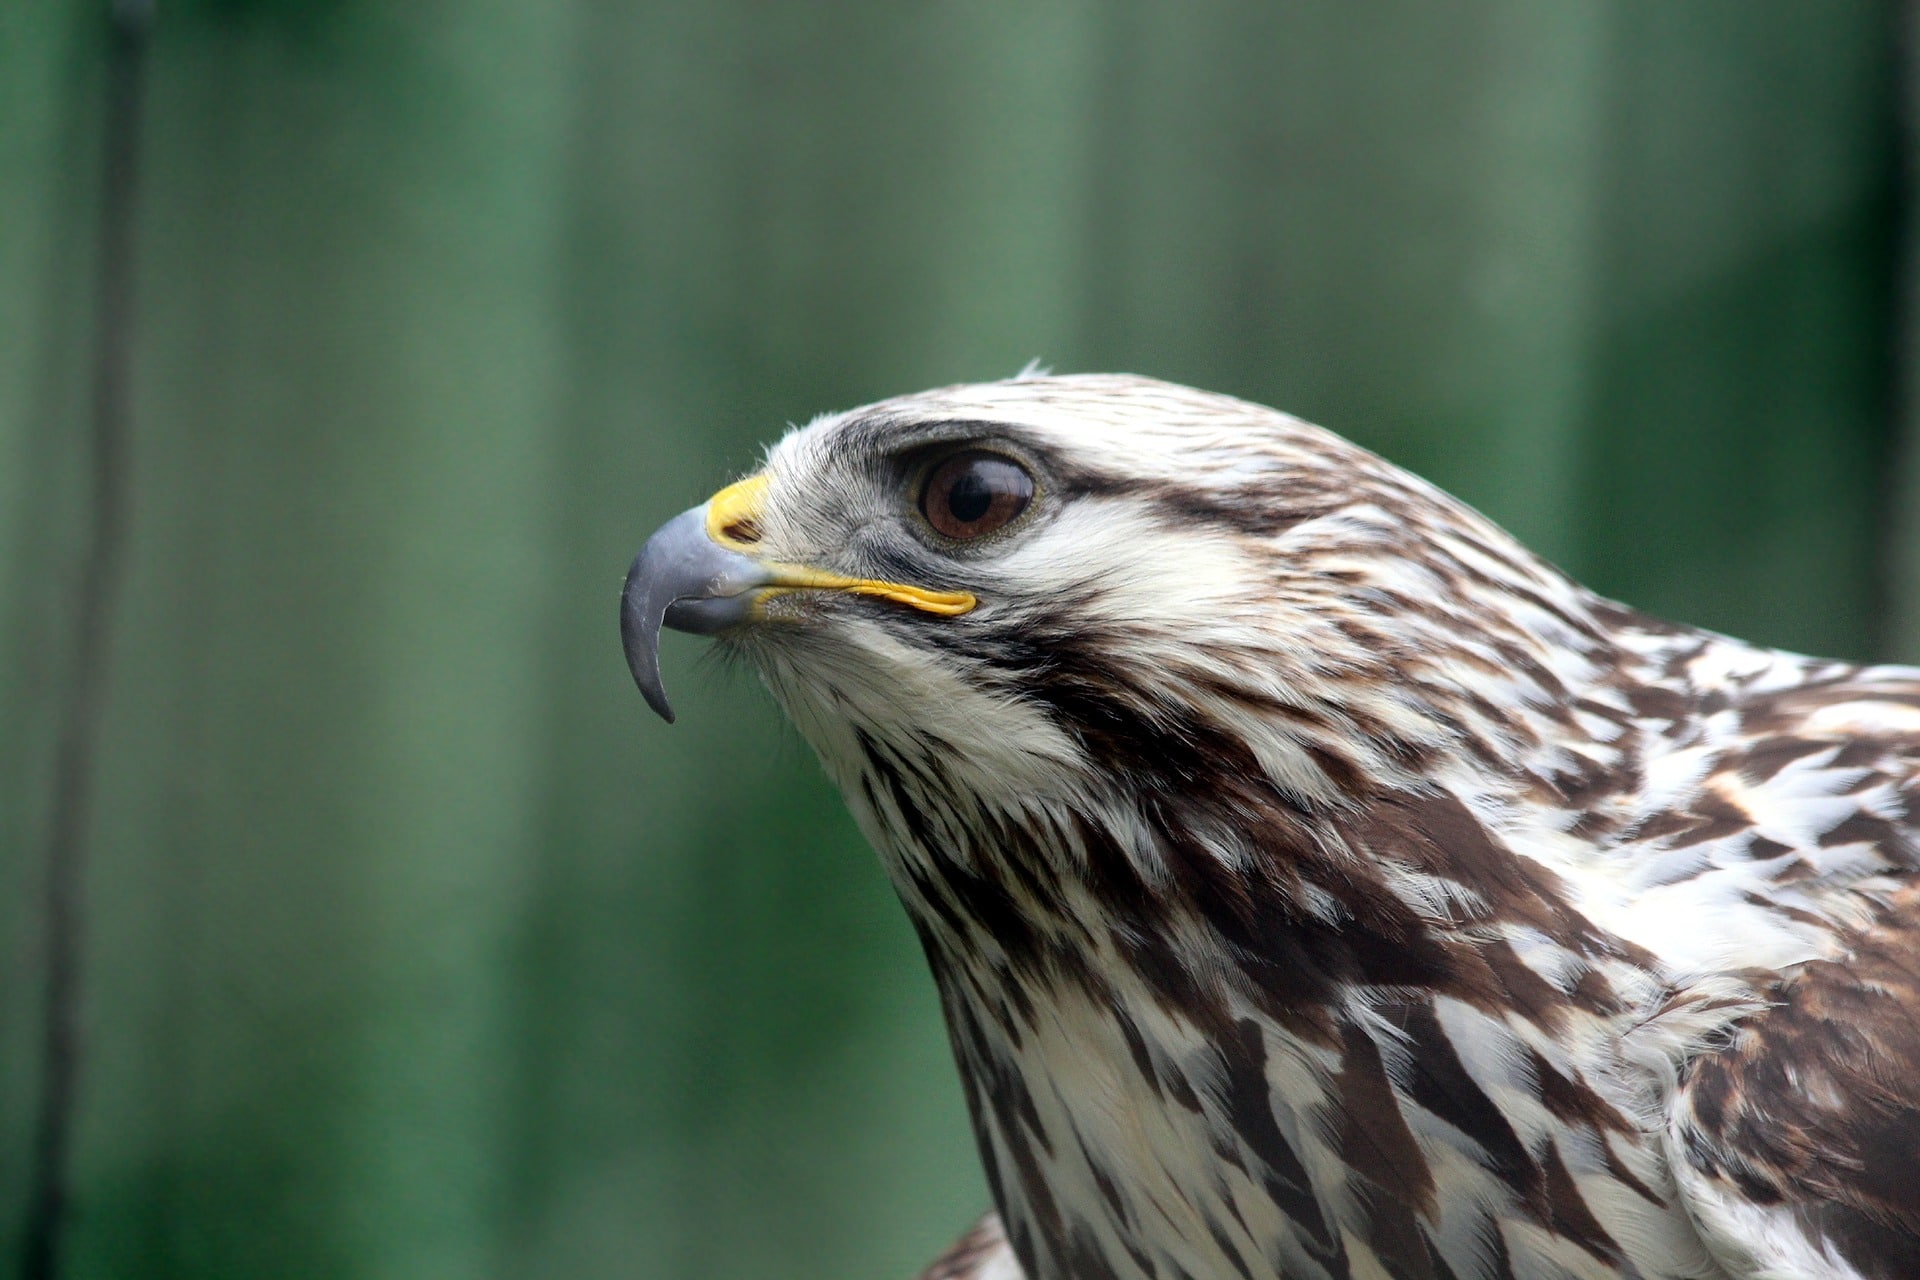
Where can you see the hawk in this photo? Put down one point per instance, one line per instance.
(1317, 883)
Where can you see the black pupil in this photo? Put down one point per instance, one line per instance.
(971, 495)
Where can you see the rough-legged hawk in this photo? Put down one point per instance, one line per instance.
(1317, 883)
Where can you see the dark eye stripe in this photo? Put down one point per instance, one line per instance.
(974, 493)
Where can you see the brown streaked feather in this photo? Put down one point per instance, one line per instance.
(969, 1257)
(1815, 1106)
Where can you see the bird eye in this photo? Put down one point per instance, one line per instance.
(973, 494)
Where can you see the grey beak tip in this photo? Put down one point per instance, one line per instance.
(681, 579)
(640, 619)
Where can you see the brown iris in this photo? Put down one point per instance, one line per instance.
(975, 493)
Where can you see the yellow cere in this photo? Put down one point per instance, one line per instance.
(735, 511)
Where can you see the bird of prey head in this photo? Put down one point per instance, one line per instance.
(1317, 883)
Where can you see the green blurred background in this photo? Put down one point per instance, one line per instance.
(416, 947)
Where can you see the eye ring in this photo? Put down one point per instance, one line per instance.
(973, 493)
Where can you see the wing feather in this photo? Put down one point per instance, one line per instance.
(1798, 1146)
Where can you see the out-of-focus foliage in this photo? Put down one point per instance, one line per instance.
(417, 947)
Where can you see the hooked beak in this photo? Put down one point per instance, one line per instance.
(698, 573)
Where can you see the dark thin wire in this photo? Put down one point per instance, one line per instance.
(68, 824)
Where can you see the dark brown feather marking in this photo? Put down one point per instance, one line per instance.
(1816, 1104)
(1440, 1083)
(1571, 1216)
(1251, 1112)
(1371, 1134)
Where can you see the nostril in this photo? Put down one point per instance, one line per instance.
(744, 530)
